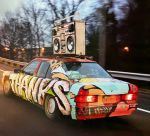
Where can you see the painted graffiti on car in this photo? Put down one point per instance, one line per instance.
(34, 89)
(77, 95)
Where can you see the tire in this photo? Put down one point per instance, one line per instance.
(51, 108)
(7, 87)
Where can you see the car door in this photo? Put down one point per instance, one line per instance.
(44, 77)
(23, 78)
(44, 70)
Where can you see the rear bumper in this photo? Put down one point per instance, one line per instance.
(93, 112)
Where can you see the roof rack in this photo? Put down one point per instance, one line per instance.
(66, 56)
(84, 57)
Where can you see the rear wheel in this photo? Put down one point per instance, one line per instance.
(6, 87)
(51, 108)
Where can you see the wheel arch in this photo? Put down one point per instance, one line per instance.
(49, 92)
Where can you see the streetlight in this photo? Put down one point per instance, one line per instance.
(7, 54)
(6, 49)
(42, 51)
(14, 50)
(23, 49)
(126, 49)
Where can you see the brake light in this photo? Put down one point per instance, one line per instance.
(133, 89)
(84, 99)
(129, 97)
(83, 92)
(132, 94)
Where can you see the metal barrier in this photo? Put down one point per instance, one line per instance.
(129, 75)
(12, 63)
(119, 74)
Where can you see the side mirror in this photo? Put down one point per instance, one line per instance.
(17, 70)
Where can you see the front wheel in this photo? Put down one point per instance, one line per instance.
(51, 108)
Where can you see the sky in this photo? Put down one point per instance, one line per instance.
(86, 8)
(9, 5)
(12, 5)
(120, 7)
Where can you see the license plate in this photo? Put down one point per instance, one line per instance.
(96, 110)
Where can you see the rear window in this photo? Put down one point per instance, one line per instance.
(86, 69)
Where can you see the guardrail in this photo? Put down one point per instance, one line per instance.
(129, 75)
(119, 74)
(12, 63)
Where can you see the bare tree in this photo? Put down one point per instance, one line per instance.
(59, 9)
(29, 27)
(9, 33)
(14, 34)
(35, 16)
(109, 16)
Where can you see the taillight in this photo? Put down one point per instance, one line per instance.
(84, 99)
(83, 92)
(129, 97)
(133, 89)
(132, 94)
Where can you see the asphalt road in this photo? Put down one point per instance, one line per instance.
(21, 118)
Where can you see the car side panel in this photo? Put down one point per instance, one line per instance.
(34, 88)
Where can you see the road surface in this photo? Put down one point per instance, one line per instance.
(21, 118)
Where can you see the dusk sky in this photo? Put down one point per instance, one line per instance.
(9, 5)
(85, 8)
(12, 5)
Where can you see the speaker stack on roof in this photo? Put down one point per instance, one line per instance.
(69, 38)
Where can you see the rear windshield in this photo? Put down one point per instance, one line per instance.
(86, 69)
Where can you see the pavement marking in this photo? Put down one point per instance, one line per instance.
(143, 110)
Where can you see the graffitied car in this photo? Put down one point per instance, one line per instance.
(80, 88)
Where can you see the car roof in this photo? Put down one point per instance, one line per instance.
(65, 59)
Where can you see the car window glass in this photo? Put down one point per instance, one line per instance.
(88, 70)
(30, 69)
(43, 69)
(48, 75)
